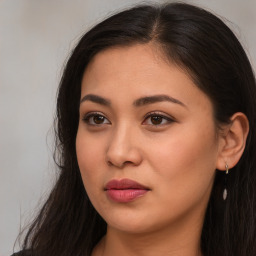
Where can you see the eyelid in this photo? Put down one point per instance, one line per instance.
(88, 115)
(168, 118)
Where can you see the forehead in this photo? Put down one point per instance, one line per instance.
(138, 58)
(138, 63)
(139, 70)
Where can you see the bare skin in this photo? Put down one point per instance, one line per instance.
(169, 144)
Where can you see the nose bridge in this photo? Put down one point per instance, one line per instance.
(122, 146)
(121, 133)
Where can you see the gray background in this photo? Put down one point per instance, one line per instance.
(35, 39)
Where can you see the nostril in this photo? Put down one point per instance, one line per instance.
(109, 163)
(127, 162)
(120, 157)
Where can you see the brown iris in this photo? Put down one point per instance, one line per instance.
(156, 120)
(98, 119)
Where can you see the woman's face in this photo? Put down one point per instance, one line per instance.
(143, 120)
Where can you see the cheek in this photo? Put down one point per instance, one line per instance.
(192, 144)
(89, 157)
(185, 163)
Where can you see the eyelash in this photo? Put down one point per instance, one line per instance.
(88, 116)
(167, 119)
(157, 114)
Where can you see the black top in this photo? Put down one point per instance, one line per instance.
(22, 253)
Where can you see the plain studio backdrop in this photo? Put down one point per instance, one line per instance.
(36, 37)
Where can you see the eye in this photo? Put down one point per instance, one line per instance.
(156, 119)
(95, 119)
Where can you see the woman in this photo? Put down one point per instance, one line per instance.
(156, 141)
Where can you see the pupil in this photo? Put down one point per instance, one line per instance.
(156, 119)
(98, 119)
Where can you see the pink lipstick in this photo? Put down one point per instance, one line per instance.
(125, 190)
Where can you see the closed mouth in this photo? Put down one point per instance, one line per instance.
(124, 184)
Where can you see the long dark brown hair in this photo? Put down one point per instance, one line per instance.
(205, 47)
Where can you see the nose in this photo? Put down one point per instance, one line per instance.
(123, 148)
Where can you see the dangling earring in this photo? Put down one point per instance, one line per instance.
(225, 192)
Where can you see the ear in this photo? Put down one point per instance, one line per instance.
(232, 140)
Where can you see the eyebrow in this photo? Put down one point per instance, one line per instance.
(137, 103)
(156, 98)
(96, 99)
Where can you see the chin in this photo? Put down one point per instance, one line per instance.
(126, 220)
(132, 222)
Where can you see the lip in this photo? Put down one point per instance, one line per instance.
(125, 190)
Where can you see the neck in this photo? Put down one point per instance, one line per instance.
(167, 242)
